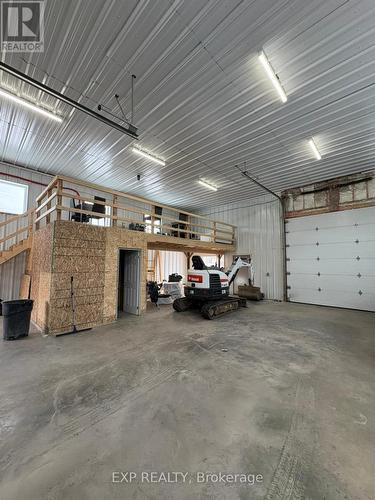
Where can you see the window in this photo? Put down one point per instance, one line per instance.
(102, 221)
(13, 197)
(210, 260)
(157, 222)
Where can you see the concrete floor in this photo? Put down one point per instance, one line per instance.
(281, 390)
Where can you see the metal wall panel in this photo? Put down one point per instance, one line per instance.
(258, 224)
(11, 272)
(331, 259)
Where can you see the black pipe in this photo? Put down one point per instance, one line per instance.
(245, 173)
(283, 232)
(131, 131)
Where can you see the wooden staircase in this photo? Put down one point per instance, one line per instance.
(15, 249)
(16, 234)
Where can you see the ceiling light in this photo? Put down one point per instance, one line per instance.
(272, 76)
(207, 185)
(149, 156)
(315, 149)
(30, 105)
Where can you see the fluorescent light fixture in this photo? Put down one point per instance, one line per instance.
(30, 105)
(207, 185)
(148, 155)
(272, 76)
(315, 149)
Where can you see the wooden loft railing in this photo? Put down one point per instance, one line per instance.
(15, 234)
(70, 199)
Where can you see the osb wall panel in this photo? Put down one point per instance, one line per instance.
(41, 277)
(117, 238)
(79, 252)
(89, 254)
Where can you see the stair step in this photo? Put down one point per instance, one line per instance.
(14, 250)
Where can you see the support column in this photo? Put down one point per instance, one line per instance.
(219, 255)
(114, 211)
(188, 257)
(59, 198)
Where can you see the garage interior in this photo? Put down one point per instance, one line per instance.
(187, 220)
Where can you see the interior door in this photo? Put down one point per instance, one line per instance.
(331, 259)
(131, 267)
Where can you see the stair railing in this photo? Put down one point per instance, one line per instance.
(15, 229)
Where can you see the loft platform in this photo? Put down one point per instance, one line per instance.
(163, 227)
(82, 230)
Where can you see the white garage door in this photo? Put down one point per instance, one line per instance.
(331, 259)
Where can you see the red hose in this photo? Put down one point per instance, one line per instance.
(35, 182)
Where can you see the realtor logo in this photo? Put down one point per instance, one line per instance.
(22, 26)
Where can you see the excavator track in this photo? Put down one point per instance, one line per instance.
(212, 310)
(182, 304)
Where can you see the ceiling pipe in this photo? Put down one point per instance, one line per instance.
(131, 130)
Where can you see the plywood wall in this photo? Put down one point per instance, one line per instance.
(78, 253)
(89, 254)
(42, 273)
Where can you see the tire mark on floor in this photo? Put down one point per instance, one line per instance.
(295, 460)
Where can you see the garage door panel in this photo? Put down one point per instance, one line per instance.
(358, 216)
(347, 298)
(332, 282)
(301, 238)
(340, 269)
(347, 250)
(332, 236)
(332, 266)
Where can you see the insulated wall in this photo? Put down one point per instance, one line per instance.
(259, 227)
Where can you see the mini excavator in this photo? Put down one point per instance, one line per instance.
(207, 289)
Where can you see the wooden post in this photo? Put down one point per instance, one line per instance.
(59, 198)
(114, 211)
(153, 220)
(30, 223)
(37, 224)
(188, 227)
(188, 257)
(48, 217)
(158, 266)
(215, 231)
(219, 260)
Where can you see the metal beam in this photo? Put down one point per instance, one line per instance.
(131, 131)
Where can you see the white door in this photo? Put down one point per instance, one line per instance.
(131, 281)
(331, 259)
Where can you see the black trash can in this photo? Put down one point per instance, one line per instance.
(16, 321)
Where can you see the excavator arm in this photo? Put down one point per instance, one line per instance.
(236, 266)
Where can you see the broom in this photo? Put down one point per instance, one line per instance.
(73, 306)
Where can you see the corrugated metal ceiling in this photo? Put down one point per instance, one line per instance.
(202, 100)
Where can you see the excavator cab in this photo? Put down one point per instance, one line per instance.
(208, 289)
(198, 264)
